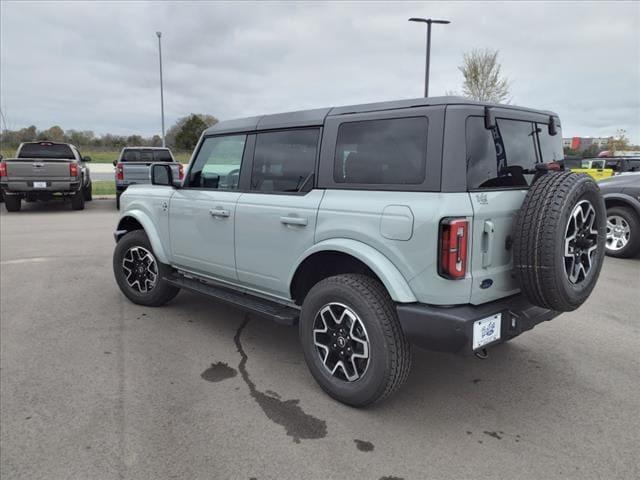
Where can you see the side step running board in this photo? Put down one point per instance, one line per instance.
(262, 307)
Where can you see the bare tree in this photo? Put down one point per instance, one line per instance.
(483, 80)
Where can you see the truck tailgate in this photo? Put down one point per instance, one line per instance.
(138, 172)
(37, 168)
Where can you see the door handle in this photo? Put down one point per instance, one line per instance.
(219, 212)
(299, 221)
(487, 243)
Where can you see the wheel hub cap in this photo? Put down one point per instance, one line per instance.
(140, 269)
(581, 242)
(341, 342)
(618, 233)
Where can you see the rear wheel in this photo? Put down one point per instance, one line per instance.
(353, 343)
(12, 203)
(77, 200)
(623, 232)
(138, 273)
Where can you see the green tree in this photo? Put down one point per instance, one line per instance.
(483, 79)
(135, 141)
(55, 134)
(190, 132)
(170, 137)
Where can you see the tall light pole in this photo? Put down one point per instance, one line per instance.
(159, 34)
(428, 21)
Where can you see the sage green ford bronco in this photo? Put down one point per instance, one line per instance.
(439, 222)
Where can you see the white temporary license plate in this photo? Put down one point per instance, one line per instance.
(486, 330)
(39, 184)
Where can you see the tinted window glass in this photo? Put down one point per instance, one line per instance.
(145, 155)
(505, 156)
(550, 147)
(284, 161)
(45, 150)
(382, 152)
(217, 164)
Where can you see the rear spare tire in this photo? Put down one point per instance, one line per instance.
(559, 240)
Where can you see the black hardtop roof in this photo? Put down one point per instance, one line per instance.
(306, 118)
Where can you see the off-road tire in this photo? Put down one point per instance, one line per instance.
(539, 240)
(390, 354)
(77, 200)
(632, 248)
(12, 203)
(162, 292)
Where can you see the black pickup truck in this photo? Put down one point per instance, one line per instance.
(43, 171)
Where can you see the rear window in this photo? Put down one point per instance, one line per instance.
(507, 155)
(45, 150)
(382, 152)
(148, 155)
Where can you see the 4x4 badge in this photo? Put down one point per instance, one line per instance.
(482, 198)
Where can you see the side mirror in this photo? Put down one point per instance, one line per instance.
(1, 157)
(115, 162)
(86, 159)
(161, 174)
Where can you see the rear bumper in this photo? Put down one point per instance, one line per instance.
(450, 329)
(53, 186)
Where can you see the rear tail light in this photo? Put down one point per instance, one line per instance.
(180, 171)
(454, 237)
(119, 172)
(3, 169)
(73, 169)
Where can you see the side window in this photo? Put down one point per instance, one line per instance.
(550, 147)
(382, 152)
(217, 165)
(285, 161)
(505, 156)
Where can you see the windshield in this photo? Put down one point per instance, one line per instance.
(45, 150)
(146, 155)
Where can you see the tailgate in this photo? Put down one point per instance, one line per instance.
(38, 168)
(136, 172)
(494, 214)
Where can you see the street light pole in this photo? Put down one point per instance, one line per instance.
(428, 21)
(159, 34)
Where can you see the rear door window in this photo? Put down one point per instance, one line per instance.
(507, 155)
(382, 152)
(45, 150)
(284, 161)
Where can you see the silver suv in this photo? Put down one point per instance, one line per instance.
(439, 222)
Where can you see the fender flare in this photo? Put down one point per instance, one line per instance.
(395, 283)
(623, 197)
(149, 228)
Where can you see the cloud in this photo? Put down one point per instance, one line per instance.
(94, 65)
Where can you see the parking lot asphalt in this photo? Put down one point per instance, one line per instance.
(93, 386)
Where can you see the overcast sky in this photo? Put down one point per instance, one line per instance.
(94, 65)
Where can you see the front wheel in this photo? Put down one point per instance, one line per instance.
(623, 232)
(140, 276)
(352, 340)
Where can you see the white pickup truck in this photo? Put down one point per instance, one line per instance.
(132, 167)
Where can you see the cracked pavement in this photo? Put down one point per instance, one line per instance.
(93, 386)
